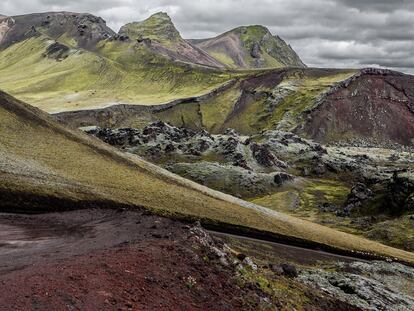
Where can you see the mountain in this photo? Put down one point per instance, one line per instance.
(68, 61)
(160, 35)
(77, 30)
(45, 166)
(251, 47)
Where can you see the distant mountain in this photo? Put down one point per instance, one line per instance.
(160, 35)
(74, 29)
(250, 47)
(69, 61)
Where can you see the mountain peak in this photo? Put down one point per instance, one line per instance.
(251, 46)
(84, 30)
(161, 16)
(157, 27)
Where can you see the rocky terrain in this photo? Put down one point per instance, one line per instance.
(105, 260)
(83, 30)
(217, 174)
(285, 172)
(328, 106)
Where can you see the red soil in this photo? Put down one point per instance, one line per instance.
(373, 106)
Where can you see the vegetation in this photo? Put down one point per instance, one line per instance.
(40, 158)
(119, 73)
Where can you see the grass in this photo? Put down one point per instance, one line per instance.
(86, 80)
(40, 157)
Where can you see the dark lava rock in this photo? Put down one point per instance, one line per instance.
(281, 178)
(263, 155)
(327, 207)
(241, 256)
(57, 51)
(359, 192)
(289, 270)
(319, 169)
(255, 51)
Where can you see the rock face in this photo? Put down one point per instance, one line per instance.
(359, 193)
(85, 29)
(160, 35)
(401, 190)
(375, 105)
(251, 47)
(369, 286)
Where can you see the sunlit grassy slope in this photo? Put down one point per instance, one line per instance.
(118, 72)
(39, 158)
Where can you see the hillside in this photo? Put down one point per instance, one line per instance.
(160, 35)
(327, 105)
(67, 61)
(251, 47)
(45, 166)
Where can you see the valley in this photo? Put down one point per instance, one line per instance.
(144, 171)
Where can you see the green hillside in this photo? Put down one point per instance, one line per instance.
(60, 71)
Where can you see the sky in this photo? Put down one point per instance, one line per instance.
(325, 33)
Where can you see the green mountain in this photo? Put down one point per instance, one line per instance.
(67, 61)
(251, 47)
(160, 35)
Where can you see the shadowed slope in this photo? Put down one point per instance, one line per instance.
(41, 160)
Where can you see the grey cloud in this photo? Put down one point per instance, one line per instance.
(325, 33)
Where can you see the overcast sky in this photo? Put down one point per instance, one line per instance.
(325, 33)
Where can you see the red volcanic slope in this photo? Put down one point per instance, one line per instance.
(375, 104)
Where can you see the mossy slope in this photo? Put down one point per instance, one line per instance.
(41, 158)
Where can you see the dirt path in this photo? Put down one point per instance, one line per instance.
(284, 252)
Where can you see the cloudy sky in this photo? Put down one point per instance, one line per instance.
(325, 33)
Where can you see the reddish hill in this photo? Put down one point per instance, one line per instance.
(376, 105)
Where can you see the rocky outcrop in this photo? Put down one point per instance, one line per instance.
(6, 23)
(401, 189)
(359, 193)
(369, 286)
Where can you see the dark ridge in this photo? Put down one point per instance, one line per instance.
(85, 29)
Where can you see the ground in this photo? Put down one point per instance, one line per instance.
(124, 260)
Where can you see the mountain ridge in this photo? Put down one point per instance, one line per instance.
(251, 46)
